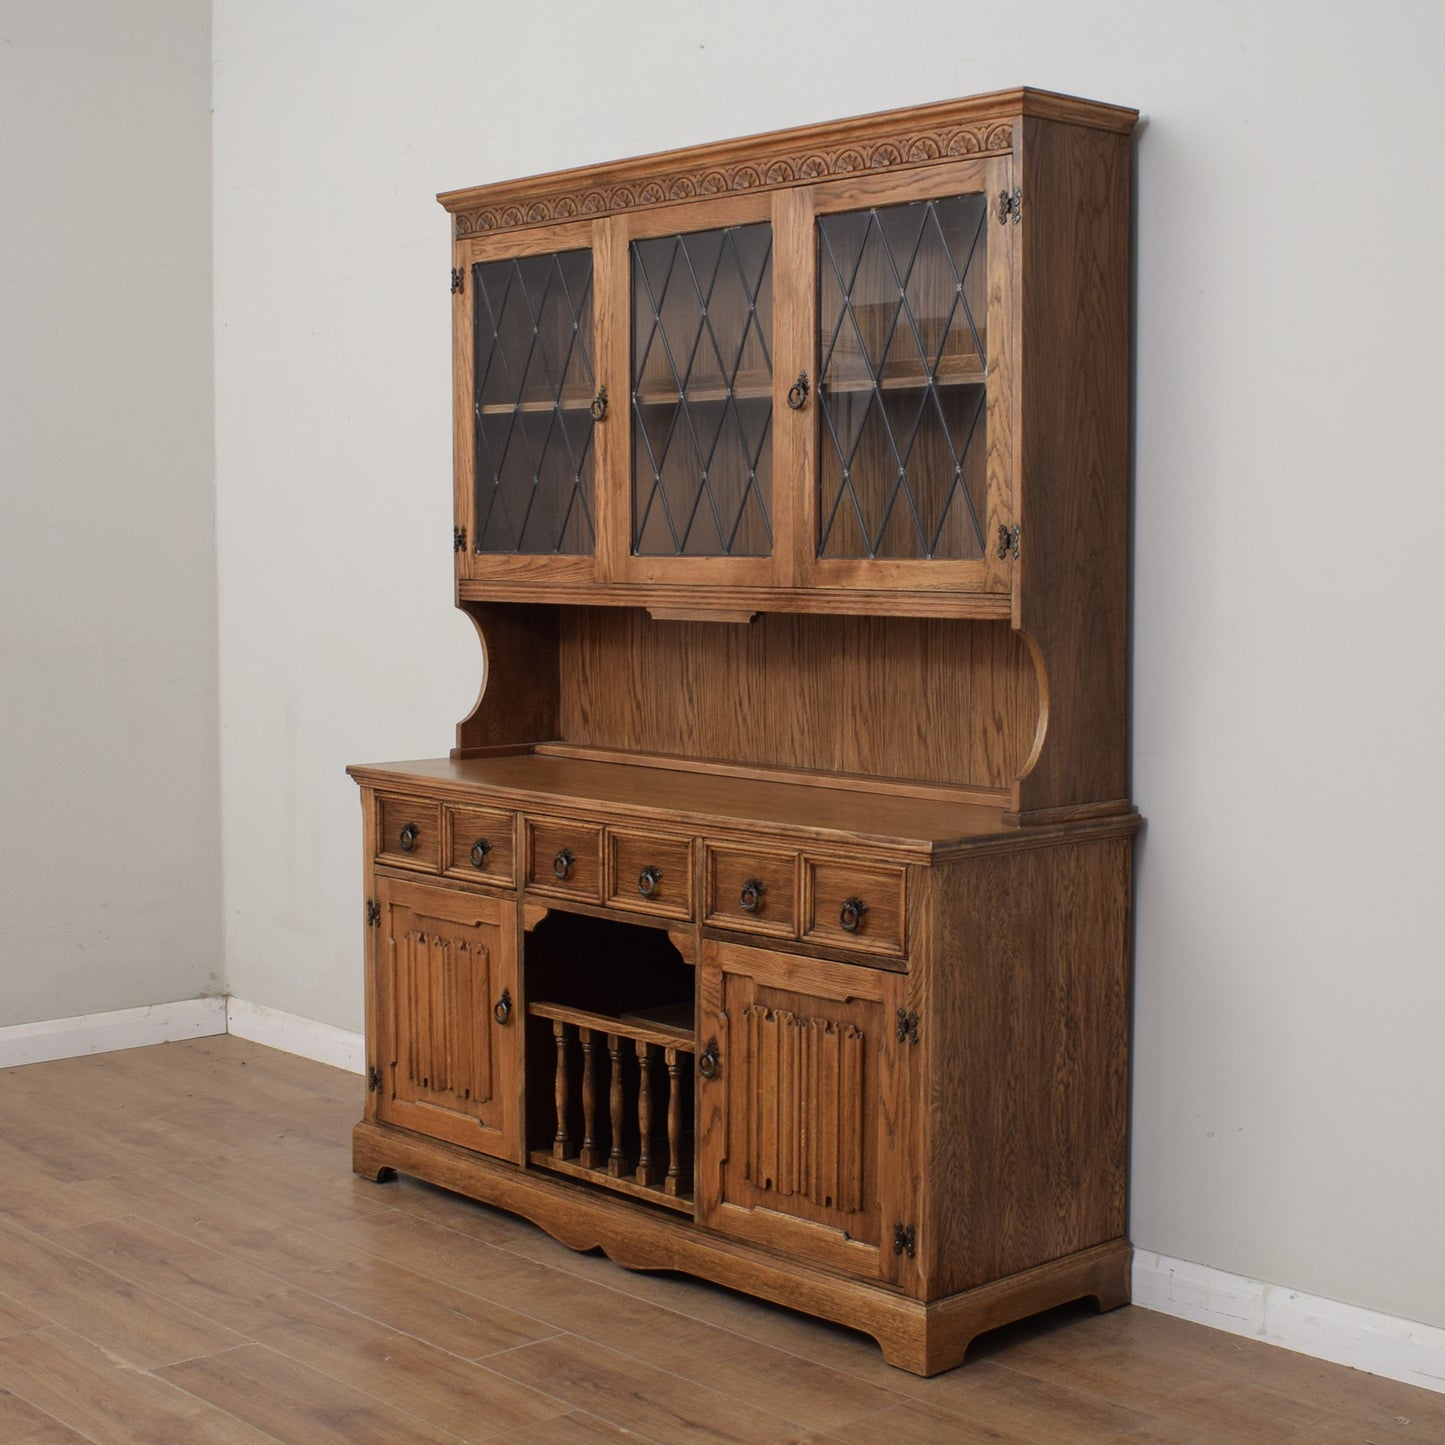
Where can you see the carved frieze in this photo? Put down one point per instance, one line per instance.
(710, 179)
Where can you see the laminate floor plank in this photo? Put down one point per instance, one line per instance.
(22, 1424)
(190, 1275)
(578, 1428)
(295, 1404)
(463, 1323)
(109, 1403)
(466, 1399)
(186, 1258)
(141, 1327)
(632, 1395)
(917, 1423)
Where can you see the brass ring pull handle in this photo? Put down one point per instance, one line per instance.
(648, 880)
(479, 852)
(502, 1011)
(408, 837)
(851, 914)
(599, 404)
(798, 392)
(708, 1061)
(562, 863)
(751, 897)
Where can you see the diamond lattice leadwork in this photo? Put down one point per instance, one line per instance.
(702, 393)
(534, 388)
(902, 305)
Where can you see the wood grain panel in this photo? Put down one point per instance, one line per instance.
(1026, 1026)
(1073, 501)
(918, 699)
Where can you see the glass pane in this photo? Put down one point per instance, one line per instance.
(533, 390)
(702, 388)
(902, 293)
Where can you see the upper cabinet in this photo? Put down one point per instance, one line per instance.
(774, 374)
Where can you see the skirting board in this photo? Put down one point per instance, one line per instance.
(292, 1034)
(126, 1028)
(1308, 1324)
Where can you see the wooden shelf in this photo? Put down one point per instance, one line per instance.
(750, 387)
(569, 402)
(968, 371)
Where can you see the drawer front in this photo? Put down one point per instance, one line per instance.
(649, 873)
(752, 890)
(564, 858)
(481, 845)
(856, 906)
(408, 832)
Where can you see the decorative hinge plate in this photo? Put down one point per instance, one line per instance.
(373, 1080)
(373, 913)
(459, 539)
(1010, 203)
(907, 1029)
(1008, 543)
(459, 280)
(905, 1239)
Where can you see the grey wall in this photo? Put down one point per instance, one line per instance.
(109, 793)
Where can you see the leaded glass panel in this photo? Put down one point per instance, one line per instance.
(702, 390)
(534, 387)
(902, 294)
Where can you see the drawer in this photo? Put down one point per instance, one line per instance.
(408, 832)
(481, 845)
(649, 873)
(752, 890)
(855, 905)
(564, 858)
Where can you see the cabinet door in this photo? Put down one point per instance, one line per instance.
(805, 1121)
(447, 1015)
(910, 422)
(703, 504)
(531, 402)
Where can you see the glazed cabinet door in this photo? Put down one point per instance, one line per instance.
(701, 298)
(805, 1109)
(446, 1016)
(531, 402)
(910, 431)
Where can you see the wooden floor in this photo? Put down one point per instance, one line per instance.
(185, 1256)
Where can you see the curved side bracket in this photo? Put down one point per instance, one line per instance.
(517, 703)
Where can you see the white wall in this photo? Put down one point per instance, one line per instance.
(1289, 1084)
(109, 798)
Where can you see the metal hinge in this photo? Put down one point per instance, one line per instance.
(907, 1030)
(905, 1239)
(459, 539)
(459, 280)
(1008, 542)
(373, 913)
(1010, 203)
(373, 1081)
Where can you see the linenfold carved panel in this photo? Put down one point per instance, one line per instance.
(805, 1120)
(874, 154)
(442, 988)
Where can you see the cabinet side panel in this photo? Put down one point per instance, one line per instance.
(1028, 1034)
(924, 700)
(517, 702)
(1074, 465)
